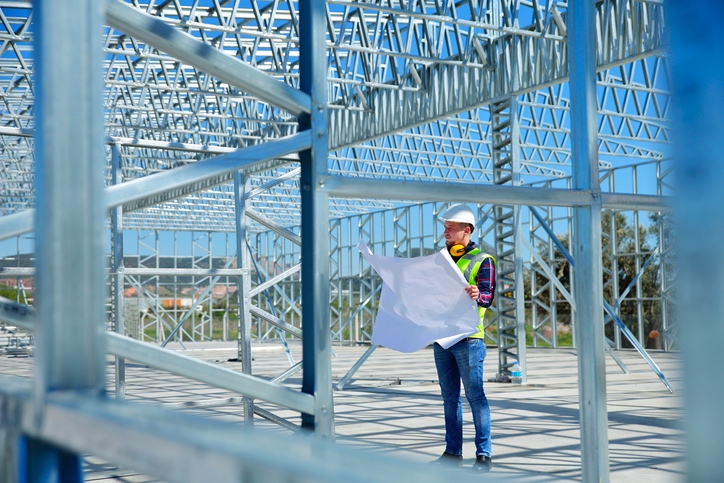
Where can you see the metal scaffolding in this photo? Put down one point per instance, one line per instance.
(246, 147)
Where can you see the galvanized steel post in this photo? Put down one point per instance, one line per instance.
(117, 269)
(70, 217)
(243, 287)
(316, 378)
(587, 251)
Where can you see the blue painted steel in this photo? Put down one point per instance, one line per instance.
(39, 462)
(316, 351)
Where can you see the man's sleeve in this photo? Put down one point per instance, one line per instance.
(486, 282)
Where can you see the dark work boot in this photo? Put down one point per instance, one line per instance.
(482, 464)
(448, 459)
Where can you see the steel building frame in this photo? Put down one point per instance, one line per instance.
(289, 135)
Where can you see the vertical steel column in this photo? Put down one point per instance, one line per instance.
(609, 237)
(337, 298)
(508, 245)
(401, 232)
(697, 68)
(587, 244)
(669, 325)
(42, 463)
(317, 372)
(370, 286)
(200, 255)
(10, 445)
(69, 219)
(543, 290)
(668, 267)
(243, 281)
(519, 287)
(117, 269)
(153, 295)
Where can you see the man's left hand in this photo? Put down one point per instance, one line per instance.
(472, 291)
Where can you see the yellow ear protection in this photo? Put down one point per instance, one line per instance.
(457, 250)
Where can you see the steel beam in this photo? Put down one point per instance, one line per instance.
(184, 180)
(184, 448)
(70, 353)
(317, 367)
(243, 283)
(477, 193)
(209, 373)
(157, 358)
(510, 297)
(118, 271)
(587, 271)
(70, 216)
(179, 182)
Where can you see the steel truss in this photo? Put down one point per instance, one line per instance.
(211, 111)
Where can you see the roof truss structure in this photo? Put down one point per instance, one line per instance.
(410, 84)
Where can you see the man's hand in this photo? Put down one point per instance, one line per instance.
(472, 291)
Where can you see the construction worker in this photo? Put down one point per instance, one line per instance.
(464, 360)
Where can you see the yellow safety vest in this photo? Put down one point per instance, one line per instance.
(470, 264)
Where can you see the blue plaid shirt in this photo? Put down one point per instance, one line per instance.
(486, 279)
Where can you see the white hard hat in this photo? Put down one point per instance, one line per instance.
(460, 213)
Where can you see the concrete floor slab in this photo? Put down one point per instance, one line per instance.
(392, 405)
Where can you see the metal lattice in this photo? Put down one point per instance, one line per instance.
(431, 100)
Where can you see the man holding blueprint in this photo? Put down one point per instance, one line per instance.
(441, 299)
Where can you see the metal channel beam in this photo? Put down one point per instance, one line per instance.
(146, 143)
(510, 313)
(477, 193)
(174, 184)
(273, 226)
(157, 358)
(276, 321)
(184, 448)
(16, 224)
(70, 216)
(70, 355)
(588, 273)
(209, 373)
(243, 294)
(117, 271)
(178, 182)
(274, 280)
(182, 181)
(316, 351)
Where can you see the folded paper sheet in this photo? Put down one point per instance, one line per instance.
(422, 301)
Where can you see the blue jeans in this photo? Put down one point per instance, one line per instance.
(463, 360)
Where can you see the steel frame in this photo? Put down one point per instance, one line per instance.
(228, 118)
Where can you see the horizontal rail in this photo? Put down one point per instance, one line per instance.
(179, 364)
(178, 182)
(185, 448)
(486, 193)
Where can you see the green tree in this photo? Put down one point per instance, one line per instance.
(625, 250)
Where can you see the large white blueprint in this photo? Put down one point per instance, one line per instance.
(423, 300)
